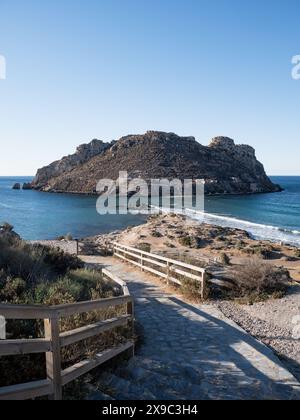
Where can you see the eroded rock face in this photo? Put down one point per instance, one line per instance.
(83, 153)
(226, 167)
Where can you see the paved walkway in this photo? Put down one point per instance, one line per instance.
(191, 351)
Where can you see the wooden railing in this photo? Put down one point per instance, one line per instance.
(165, 268)
(54, 341)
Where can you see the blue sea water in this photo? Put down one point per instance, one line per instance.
(266, 216)
(38, 215)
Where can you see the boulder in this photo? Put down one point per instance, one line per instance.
(16, 186)
(27, 186)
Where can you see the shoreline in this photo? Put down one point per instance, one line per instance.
(224, 194)
(252, 236)
(279, 232)
(176, 234)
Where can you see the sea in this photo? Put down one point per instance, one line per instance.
(36, 215)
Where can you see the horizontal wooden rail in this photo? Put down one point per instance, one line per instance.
(26, 391)
(14, 347)
(117, 280)
(81, 368)
(24, 312)
(63, 311)
(142, 259)
(54, 341)
(159, 257)
(71, 337)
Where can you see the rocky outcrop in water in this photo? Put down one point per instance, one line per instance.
(226, 167)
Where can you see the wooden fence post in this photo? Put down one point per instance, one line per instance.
(77, 246)
(53, 358)
(130, 311)
(204, 288)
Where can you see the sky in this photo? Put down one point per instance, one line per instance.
(83, 69)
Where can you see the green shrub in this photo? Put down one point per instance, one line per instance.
(34, 263)
(185, 241)
(146, 247)
(34, 274)
(224, 259)
(191, 289)
(156, 234)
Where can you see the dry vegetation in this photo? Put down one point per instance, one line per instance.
(35, 274)
(249, 267)
(257, 280)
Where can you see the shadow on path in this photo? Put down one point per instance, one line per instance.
(229, 363)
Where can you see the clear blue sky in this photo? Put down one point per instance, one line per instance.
(79, 69)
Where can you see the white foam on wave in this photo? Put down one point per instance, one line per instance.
(256, 230)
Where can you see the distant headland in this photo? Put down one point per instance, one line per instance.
(227, 168)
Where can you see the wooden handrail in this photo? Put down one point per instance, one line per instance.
(189, 271)
(79, 334)
(63, 311)
(54, 341)
(18, 312)
(159, 257)
(14, 347)
(83, 367)
(24, 312)
(26, 391)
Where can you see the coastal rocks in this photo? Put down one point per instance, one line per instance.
(84, 153)
(227, 168)
(25, 186)
(7, 232)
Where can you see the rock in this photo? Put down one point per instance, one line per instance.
(83, 154)
(27, 186)
(7, 232)
(16, 186)
(226, 167)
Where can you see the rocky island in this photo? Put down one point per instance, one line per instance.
(226, 167)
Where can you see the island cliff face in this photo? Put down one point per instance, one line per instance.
(226, 167)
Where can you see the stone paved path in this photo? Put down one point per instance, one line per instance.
(190, 351)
